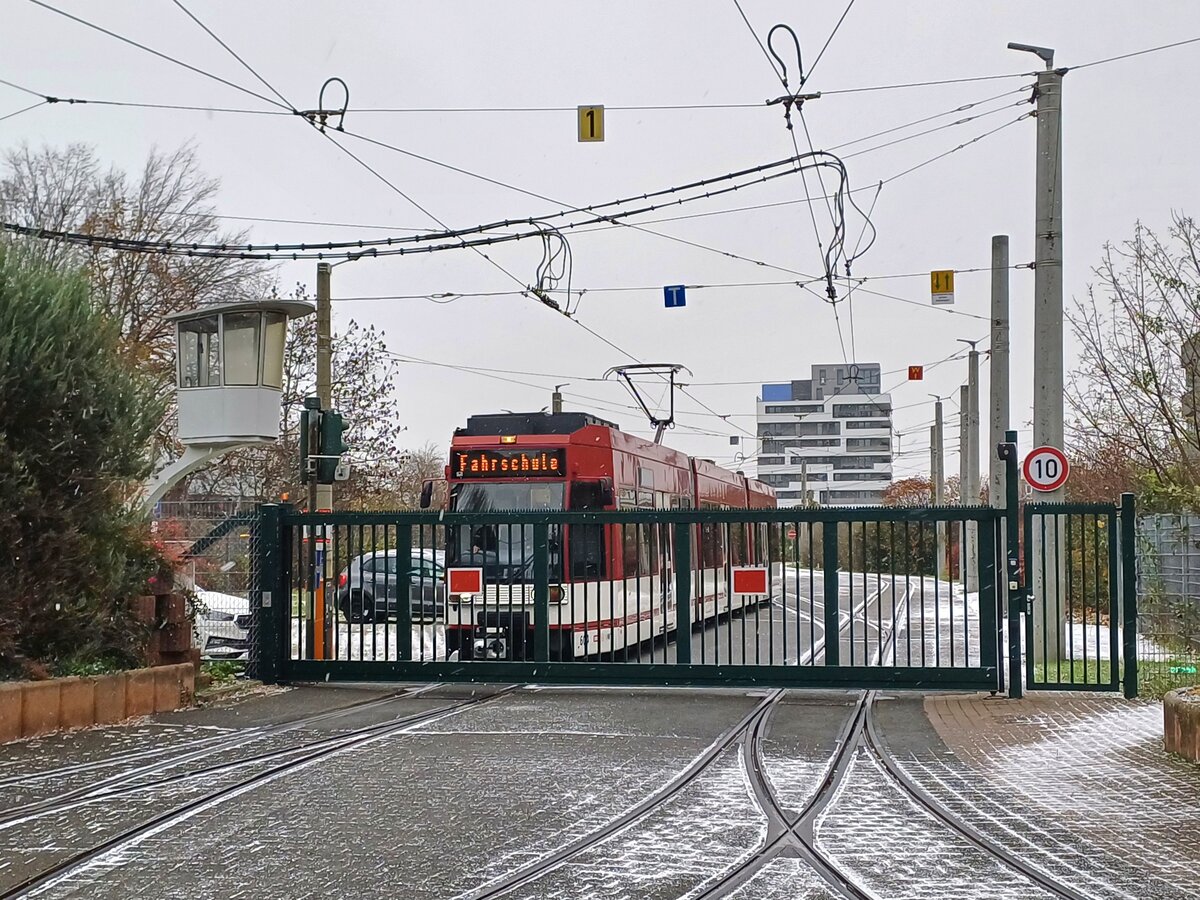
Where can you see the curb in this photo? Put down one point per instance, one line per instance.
(34, 708)
(1181, 723)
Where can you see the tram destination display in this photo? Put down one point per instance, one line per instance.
(506, 463)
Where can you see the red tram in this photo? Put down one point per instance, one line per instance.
(612, 586)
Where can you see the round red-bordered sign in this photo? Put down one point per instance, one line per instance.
(1046, 469)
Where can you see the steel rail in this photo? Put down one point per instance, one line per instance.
(119, 782)
(888, 763)
(346, 741)
(538, 867)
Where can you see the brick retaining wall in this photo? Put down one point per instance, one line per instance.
(31, 708)
(1181, 722)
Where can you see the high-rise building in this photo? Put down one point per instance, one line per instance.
(833, 429)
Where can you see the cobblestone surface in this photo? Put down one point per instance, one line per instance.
(423, 814)
(1079, 785)
(785, 879)
(695, 836)
(875, 834)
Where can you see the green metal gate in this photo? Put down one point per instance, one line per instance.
(1081, 596)
(854, 597)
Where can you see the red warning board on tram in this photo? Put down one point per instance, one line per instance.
(749, 580)
(1046, 469)
(464, 581)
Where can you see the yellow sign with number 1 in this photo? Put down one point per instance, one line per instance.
(591, 123)
(941, 287)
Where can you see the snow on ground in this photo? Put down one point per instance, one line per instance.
(379, 642)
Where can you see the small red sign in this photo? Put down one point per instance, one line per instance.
(750, 580)
(916, 373)
(464, 581)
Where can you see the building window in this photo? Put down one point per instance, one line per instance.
(821, 442)
(861, 476)
(770, 460)
(777, 410)
(868, 444)
(199, 353)
(861, 411)
(875, 425)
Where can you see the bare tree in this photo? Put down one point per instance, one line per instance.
(1137, 330)
(170, 199)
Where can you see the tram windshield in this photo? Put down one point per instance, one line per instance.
(503, 496)
(504, 552)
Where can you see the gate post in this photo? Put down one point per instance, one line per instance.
(829, 565)
(268, 597)
(1016, 596)
(1129, 594)
(683, 593)
(541, 592)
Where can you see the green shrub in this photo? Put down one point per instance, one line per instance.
(75, 422)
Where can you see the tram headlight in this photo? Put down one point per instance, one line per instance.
(557, 594)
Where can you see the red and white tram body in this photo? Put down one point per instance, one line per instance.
(612, 586)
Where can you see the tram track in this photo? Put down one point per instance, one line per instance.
(309, 753)
(202, 746)
(539, 867)
(132, 779)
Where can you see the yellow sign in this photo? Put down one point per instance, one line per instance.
(591, 123)
(941, 287)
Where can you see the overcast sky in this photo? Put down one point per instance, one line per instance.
(1130, 133)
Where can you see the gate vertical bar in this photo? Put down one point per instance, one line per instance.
(1129, 618)
(541, 592)
(1016, 599)
(986, 561)
(829, 564)
(270, 599)
(404, 629)
(683, 594)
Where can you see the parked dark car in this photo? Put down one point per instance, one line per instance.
(368, 592)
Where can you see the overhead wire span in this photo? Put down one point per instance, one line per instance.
(159, 54)
(25, 109)
(385, 246)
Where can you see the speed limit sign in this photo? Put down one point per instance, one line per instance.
(1046, 469)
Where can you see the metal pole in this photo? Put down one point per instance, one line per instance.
(939, 480)
(998, 367)
(804, 482)
(1016, 590)
(321, 495)
(556, 403)
(971, 488)
(1049, 584)
(964, 443)
(324, 498)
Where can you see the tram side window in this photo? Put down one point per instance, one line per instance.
(641, 550)
(737, 543)
(586, 542)
(711, 542)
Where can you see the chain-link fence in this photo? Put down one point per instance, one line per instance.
(1168, 601)
(253, 545)
(211, 539)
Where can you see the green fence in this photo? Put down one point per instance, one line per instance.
(845, 597)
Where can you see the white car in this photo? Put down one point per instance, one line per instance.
(222, 629)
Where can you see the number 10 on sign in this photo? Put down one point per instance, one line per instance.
(591, 123)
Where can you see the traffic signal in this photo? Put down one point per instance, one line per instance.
(331, 445)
